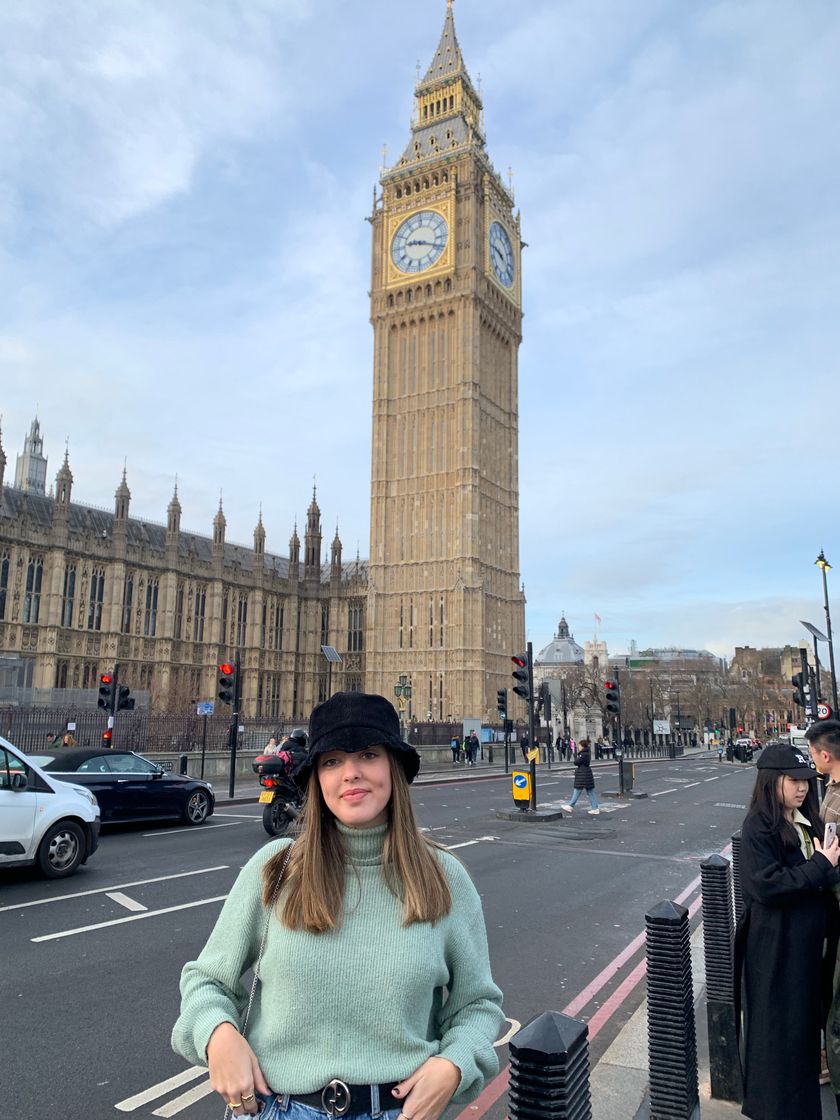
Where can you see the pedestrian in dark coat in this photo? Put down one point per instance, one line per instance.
(789, 919)
(584, 779)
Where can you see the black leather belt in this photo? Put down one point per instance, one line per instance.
(340, 1099)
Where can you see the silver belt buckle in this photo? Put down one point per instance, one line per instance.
(336, 1098)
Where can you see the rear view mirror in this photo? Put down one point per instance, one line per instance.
(18, 783)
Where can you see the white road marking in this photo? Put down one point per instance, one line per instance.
(124, 900)
(240, 816)
(188, 828)
(148, 1095)
(115, 887)
(515, 1025)
(690, 784)
(712, 779)
(467, 843)
(185, 1100)
(674, 790)
(130, 918)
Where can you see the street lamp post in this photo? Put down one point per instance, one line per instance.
(402, 691)
(825, 567)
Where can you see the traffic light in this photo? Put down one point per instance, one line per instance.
(522, 676)
(106, 693)
(613, 704)
(227, 682)
(501, 702)
(125, 701)
(800, 690)
(107, 736)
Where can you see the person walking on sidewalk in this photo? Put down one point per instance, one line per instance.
(346, 1021)
(786, 940)
(455, 747)
(584, 780)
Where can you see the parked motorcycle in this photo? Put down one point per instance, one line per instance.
(281, 799)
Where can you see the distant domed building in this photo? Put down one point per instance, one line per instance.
(561, 650)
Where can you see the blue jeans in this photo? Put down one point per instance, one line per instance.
(281, 1107)
(590, 793)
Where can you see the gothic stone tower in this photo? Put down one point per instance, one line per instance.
(444, 599)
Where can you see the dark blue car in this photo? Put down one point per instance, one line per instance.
(129, 787)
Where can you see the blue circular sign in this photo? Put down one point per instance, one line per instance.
(520, 781)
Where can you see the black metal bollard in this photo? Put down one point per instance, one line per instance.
(672, 1040)
(718, 932)
(549, 1069)
(737, 890)
(183, 763)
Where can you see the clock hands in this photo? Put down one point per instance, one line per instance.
(419, 242)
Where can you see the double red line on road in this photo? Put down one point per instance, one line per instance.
(483, 1103)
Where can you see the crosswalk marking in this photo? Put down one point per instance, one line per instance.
(178, 1104)
(129, 918)
(115, 887)
(124, 900)
(130, 1104)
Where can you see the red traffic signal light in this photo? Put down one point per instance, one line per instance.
(227, 683)
(105, 678)
(107, 735)
(522, 675)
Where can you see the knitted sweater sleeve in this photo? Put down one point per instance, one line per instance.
(212, 991)
(470, 1019)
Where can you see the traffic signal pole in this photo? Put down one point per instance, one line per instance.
(116, 705)
(531, 727)
(233, 733)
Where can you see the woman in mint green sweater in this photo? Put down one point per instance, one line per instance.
(375, 998)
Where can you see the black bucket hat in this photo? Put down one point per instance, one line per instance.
(352, 721)
(786, 759)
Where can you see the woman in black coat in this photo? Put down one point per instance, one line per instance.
(584, 779)
(790, 916)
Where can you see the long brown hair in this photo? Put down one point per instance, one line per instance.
(313, 888)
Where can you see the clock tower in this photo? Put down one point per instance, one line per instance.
(444, 601)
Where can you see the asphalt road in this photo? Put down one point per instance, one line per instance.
(90, 983)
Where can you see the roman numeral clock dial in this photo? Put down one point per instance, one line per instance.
(419, 241)
(501, 254)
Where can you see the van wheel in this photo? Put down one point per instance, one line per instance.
(61, 850)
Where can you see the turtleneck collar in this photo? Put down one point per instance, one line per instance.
(364, 845)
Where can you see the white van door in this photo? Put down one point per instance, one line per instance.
(17, 808)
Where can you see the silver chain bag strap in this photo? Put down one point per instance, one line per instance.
(228, 1111)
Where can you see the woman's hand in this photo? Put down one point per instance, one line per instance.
(832, 852)
(235, 1073)
(428, 1091)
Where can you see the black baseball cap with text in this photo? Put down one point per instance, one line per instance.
(787, 760)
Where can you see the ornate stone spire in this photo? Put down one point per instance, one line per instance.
(2, 464)
(219, 525)
(335, 565)
(259, 537)
(173, 513)
(312, 541)
(64, 480)
(563, 628)
(294, 553)
(122, 498)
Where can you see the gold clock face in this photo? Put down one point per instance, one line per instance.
(419, 241)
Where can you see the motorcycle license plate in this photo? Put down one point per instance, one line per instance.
(266, 797)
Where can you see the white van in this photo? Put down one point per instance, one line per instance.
(43, 821)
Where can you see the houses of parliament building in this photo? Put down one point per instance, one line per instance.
(439, 598)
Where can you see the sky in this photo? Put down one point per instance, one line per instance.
(185, 265)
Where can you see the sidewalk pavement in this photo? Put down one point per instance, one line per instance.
(619, 1082)
(246, 790)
